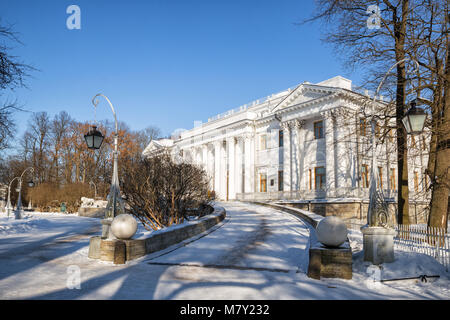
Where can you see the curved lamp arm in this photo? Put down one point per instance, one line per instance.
(95, 103)
(12, 182)
(32, 170)
(386, 75)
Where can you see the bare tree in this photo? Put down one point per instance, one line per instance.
(12, 74)
(145, 136)
(160, 191)
(374, 50)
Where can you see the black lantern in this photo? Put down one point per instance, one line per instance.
(94, 138)
(414, 120)
(31, 183)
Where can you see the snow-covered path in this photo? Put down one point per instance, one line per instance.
(255, 253)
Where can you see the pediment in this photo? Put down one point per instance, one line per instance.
(304, 93)
(156, 146)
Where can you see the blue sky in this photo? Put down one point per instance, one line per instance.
(164, 63)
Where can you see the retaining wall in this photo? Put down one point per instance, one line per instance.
(113, 250)
(324, 262)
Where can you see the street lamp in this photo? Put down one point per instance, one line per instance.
(8, 203)
(378, 209)
(95, 188)
(414, 120)
(18, 212)
(94, 139)
(378, 243)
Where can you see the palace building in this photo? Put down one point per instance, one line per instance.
(309, 145)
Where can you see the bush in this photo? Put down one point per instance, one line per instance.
(48, 196)
(160, 192)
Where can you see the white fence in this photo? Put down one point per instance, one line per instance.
(420, 238)
(431, 241)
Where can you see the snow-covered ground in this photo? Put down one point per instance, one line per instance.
(255, 253)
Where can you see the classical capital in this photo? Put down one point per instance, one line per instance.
(286, 125)
(299, 123)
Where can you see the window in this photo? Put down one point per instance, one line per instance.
(416, 181)
(413, 142)
(272, 182)
(263, 142)
(365, 175)
(363, 127)
(319, 178)
(392, 179)
(380, 177)
(310, 180)
(378, 131)
(424, 144)
(280, 180)
(262, 182)
(280, 138)
(391, 135)
(318, 130)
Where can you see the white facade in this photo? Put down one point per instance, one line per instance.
(302, 143)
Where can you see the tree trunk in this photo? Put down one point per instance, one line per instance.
(441, 184)
(402, 142)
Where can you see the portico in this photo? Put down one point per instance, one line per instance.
(304, 144)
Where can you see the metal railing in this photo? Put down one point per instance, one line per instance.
(419, 238)
(344, 193)
(250, 104)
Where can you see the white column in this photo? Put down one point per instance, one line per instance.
(300, 124)
(329, 147)
(343, 154)
(248, 188)
(238, 174)
(253, 178)
(223, 170)
(210, 165)
(205, 157)
(217, 155)
(287, 168)
(231, 168)
(295, 155)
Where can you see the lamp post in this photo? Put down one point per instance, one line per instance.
(18, 212)
(94, 139)
(378, 238)
(95, 188)
(378, 210)
(8, 203)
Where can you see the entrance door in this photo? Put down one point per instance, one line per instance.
(262, 182)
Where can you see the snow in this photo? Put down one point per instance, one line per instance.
(255, 253)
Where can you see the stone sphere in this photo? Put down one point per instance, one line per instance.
(124, 226)
(331, 231)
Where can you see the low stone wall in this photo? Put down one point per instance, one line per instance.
(324, 262)
(348, 210)
(92, 212)
(110, 250)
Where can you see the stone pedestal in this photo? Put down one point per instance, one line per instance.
(378, 244)
(325, 262)
(92, 212)
(113, 250)
(106, 229)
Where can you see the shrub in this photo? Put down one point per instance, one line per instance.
(160, 192)
(48, 196)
